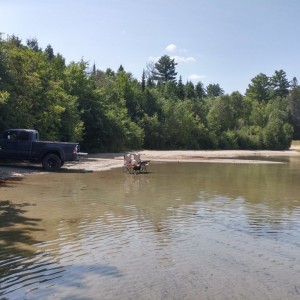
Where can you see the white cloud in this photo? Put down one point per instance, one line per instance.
(195, 77)
(171, 48)
(177, 59)
(182, 59)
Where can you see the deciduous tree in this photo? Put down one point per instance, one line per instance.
(214, 90)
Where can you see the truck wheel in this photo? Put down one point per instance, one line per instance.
(51, 162)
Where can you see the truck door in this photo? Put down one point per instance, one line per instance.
(24, 145)
(8, 144)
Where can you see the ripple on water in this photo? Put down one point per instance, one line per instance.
(176, 233)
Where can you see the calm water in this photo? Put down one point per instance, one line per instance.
(182, 231)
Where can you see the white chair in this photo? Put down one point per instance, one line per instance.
(127, 167)
(142, 163)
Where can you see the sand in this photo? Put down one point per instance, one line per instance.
(105, 161)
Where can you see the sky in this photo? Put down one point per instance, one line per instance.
(225, 42)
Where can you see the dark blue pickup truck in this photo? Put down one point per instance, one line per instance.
(24, 144)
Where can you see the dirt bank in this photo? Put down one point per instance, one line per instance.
(105, 161)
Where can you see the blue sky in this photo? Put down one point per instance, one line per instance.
(227, 42)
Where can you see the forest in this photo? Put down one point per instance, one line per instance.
(111, 111)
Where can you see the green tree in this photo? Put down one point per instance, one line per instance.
(294, 83)
(49, 52)
(109, 72)
(250, 137)
(222, 116)
(150, 102)
(294, 104)
(114, 112)
(180, 89)
(37, 98)
(259, 88)
(33, 44)
(121, 69)
(226, 116)
(164, 70)
(214, 90)
(5, 80)
(108, 124)
(129, 91)
(200, 90)
(181, 128)
(14, 41)
(278, 133)
(279, 84)
(154, 138)
(169, 90)
(143, 82)
(190, 90)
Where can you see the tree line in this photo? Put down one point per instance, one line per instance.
(108, 110)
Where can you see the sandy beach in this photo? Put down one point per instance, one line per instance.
(106, 161)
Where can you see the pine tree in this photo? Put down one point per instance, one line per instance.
(49, 52)
(280, 84)
(200, 90)
(143, 80)
(165, 70)
(121, 69)
(180, 89)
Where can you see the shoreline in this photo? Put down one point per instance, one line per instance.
(106, 161)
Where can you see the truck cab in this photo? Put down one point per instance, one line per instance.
(17, 143)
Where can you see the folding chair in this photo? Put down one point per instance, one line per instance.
(127, 167)
(142, 163)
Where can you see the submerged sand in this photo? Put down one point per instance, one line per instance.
(105, 161)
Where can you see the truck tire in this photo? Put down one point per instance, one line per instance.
(51, 162)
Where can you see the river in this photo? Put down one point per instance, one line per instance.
(180, 231)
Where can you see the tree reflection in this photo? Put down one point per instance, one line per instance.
(15, 231)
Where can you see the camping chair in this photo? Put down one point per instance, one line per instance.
(134, 164)
(127, 167)
(141, 163)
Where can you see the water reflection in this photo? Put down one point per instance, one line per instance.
(15, 241)
(185, 230)
(15, 229)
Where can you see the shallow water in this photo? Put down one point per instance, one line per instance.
(181, 231)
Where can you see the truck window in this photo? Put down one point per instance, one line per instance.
(11, 135)
(24, 136)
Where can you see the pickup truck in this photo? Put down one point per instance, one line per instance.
(24, 144)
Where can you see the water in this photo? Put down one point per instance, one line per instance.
(182, 231)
